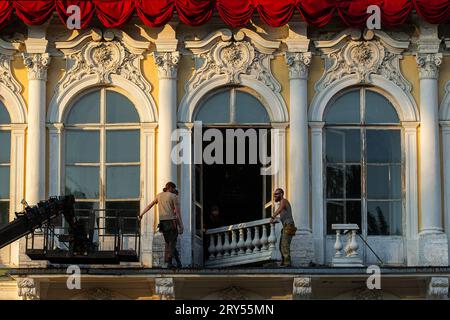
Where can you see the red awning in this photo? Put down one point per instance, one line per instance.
(113, 13)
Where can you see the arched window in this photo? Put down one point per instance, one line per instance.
(232, 106)
(102, 154)
(5, 165)
(363, 163)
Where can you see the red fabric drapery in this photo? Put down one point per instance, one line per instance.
(154, 13)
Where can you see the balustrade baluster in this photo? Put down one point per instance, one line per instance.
(264, 239)
(233, 245)
(212, 247)
(248, 242)
(241, 243)
(219, 246)
(256, 241)
(226, 245)
(338, 244)
(272, 237)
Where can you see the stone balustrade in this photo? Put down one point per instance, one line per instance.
(350, 257)
(243, 243)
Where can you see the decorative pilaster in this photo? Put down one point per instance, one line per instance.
(437, 288)
(186, 182)
(298, 64)
(433, 245)
(167, 63)
(148, 156)
(165, 288)
(28, 289)
(317, 190)
(55, 137)
(411, 188)
(302, 289)
(37, 65)
(445, 128)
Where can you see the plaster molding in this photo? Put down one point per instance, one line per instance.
(361, 55)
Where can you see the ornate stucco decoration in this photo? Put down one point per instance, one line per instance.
(233, 55)
(298, 64)
(7, 50)
(28, 289)
(301, 289)
(103, 54)
(429, 64)
(167, 63)
(438, 288)
(37, 65)
(165, 288)
(362, 55)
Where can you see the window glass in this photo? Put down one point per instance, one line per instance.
(345, 109)
(379, 109)
(384, 182)
(126, 212)
(384, 217)
(122, 182)
(4, 114)
(5, 146)
(85, 110)
(383, 146)
(122, 146)
(216, 109)
(343, 146)
(82, 146)
(4, 182)
(82, 182)
(249, 109)
(119, 109)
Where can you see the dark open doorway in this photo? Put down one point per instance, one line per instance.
(238, 190)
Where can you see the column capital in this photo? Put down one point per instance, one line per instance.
(429, 64)
(410, 125)
(18, 127)
(37, 65)
(316, 125)
(279, 125)
(445, 125)
(55, 127)
(186, 125)
(149, 126)
(298, 64)
(167, 63)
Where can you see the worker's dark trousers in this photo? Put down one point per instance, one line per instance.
(170, 234)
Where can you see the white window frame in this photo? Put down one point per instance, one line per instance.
(102, 127)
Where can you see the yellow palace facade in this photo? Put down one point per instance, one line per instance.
(359, 124)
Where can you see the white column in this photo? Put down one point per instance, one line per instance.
(318, 218)
(302, 248)
(431, 247)
(167, 63)
(37, 65)
(445, 125)
(298, 64)
(411, 196)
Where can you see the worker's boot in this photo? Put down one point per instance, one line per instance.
(177, 259)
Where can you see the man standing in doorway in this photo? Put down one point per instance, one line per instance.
(289, 229)
(170, 223)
